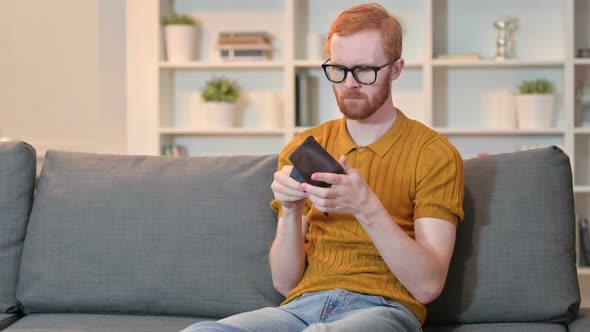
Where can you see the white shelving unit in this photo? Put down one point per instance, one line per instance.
(449, 92)
(161, 108)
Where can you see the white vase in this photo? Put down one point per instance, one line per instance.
(499, 109)
(197, 113)
(535, 111)
(220, 114)
(271, 110)
(180, 42)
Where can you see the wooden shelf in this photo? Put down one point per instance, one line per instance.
(220, 131)
(222, 65)
(582, 189)
(499, 132)
(318, 64)
(486, 132)
(583, 271)
(582, 61)
(582, 131)
(494, 63)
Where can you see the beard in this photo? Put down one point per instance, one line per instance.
(364, 107)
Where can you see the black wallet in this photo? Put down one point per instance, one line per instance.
(310, 157)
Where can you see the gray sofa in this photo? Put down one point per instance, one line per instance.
(135, 243)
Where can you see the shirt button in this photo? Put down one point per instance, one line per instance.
(361, 150)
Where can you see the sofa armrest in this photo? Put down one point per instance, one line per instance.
(582, 322)
(8, 319)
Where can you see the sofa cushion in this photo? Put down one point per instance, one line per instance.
(514, 258)
(150, 235)
(17, 184)
(582, 322)
(504, 327)
(100, 323)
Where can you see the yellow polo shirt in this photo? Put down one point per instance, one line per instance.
(415, 172)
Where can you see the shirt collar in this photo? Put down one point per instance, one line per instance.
(381, 145)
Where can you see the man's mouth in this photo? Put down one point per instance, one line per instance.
(354, 97)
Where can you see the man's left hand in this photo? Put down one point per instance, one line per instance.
(349, 193)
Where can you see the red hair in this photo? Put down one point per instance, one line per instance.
(369, 17)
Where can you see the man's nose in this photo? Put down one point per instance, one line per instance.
(350, 82)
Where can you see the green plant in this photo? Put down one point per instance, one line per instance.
(536, 87)
(180, 19)
(221, 90)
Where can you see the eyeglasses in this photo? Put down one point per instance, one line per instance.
(366, 75)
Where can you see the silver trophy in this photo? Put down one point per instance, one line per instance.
(504, 42)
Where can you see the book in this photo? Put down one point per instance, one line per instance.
(244, 38)
(584, 243)
(459, 57)
(245, 52)
(303, 111)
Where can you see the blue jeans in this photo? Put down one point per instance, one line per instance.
(335, 310)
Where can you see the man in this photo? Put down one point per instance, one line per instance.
(383, 250)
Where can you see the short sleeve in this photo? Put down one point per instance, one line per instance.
(439, 183)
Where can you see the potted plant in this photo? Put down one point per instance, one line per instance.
(220, 96)
(535, 104)
(180, 33)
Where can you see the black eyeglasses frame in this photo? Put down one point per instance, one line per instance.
(376, 69)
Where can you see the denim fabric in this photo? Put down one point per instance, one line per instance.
(336, 310)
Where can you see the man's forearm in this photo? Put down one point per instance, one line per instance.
(287, 254)
(421, 271)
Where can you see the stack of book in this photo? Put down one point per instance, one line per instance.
(245, 46)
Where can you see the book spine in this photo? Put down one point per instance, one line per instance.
(584, 243)
(297, 99)
(303, 103)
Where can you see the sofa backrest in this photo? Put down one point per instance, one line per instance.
(514, 258)
(17, 183)
(190, 236)
(150, 235)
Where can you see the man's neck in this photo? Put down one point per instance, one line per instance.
(368, 131)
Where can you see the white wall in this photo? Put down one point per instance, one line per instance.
(62, 74)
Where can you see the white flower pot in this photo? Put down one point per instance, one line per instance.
(180, 42)
(220, 114)
(535, 111)
(500, 109)
(271, 111)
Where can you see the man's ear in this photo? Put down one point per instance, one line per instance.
(397, 68)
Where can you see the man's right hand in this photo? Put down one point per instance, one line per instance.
(287, 190)
(287, 254)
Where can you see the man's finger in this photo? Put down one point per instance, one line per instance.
(345, 165)
(286, 180)
(287, 169)
(317, 191)
(320, 203)
(282, 190)
(289, 198)
(331, 178)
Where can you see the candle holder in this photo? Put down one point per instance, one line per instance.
(505, 41)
